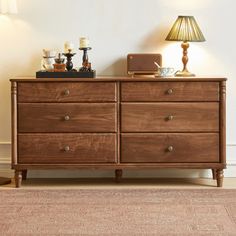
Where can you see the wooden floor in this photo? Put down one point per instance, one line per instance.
(137, 183)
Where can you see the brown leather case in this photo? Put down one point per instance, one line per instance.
(143, 63)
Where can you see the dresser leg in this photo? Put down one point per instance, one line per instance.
(219, 177)
(214, 173)
(24, 174)
(118, 175)
(18, 178)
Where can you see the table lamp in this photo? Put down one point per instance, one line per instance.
(187, 30)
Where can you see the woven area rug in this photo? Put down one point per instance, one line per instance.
(118, 212)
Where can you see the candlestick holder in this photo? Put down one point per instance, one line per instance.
(86, 65)
(69, 63)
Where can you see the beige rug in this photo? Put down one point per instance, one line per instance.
(118, 212)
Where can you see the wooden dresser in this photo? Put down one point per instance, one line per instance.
(118, 123)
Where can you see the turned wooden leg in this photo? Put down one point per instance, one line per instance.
(118, 175)
(18, 178)
(214, 173)
(24, 174)
(219, 177)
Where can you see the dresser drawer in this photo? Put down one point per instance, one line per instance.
(66, 148)
(70, 117)
(170, 117)
(169, 91)
(66, 92)
(188, 148)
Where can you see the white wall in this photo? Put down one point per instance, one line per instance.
(115, 28)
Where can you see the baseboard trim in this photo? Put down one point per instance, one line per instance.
(5, 153)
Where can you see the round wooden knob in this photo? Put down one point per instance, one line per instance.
(66, 92)
(170, 91)
(170, 117)
(170, 148)
(66, 148)
(66, 118)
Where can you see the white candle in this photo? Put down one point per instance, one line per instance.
(84, 42)
(68, 46)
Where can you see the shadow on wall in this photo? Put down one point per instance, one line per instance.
(34, 65)
(26, 68)
(9, 70)
(155, 39)
(118, 67)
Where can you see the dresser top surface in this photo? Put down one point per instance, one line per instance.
(119, 78)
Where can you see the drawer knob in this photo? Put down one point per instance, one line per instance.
(67, 92)
(170, 117)
(169, 91)
(66, 148)
(170, 149)
(66, 118)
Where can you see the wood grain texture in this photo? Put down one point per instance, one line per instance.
(170, 117)
(14, 125)
(18, 178)
(223, 121)
(118, 121)
(123, 166)
(66, 148)
(121, 79)
(169, 91)
(78, 124)
(213, 173)
(219, 177)
(71, 117)
(67, 92)
(142, 63)
(186, 148)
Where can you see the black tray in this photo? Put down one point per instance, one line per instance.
(66, 74)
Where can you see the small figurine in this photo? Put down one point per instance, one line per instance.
(48, 59)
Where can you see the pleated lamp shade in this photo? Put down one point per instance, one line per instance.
(185, 29)
(8, 7)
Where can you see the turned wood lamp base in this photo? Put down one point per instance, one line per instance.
(4, 181)
(184, 72)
